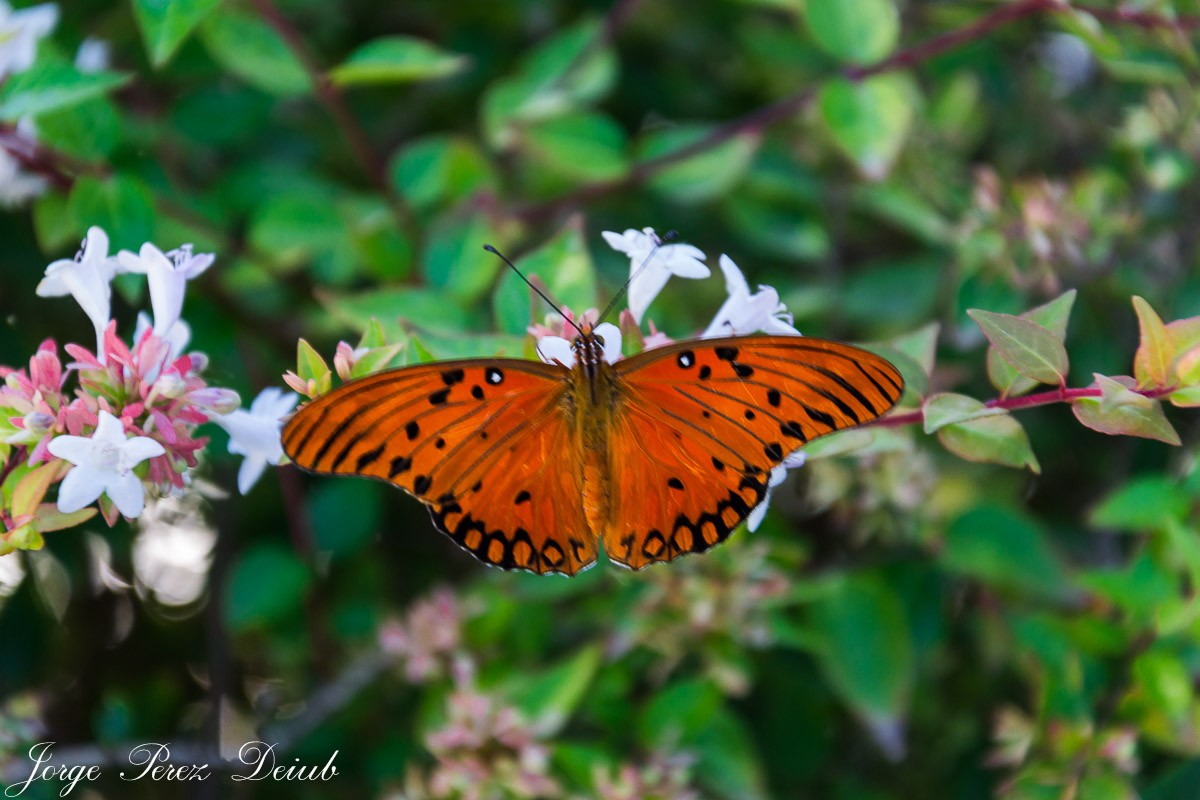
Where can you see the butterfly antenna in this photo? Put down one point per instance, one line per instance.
(533, 286)
(664, 239)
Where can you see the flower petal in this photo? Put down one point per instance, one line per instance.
(127, 494)
(79, 488)
(644, 287)
(140, 448)
(760, 511)
(556, 350)
(735, 281)
(70, 448)
(249, 472)
(611, 335)
(684, 260)
(109, 429)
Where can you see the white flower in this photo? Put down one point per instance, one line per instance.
(743, 313)
(778, 475)
(92, 55)
(177, 336)
(86, 278)
(651, 263)
(19, 34)
(255, 433)
(167, 274)
(557, 350)
(103, 465)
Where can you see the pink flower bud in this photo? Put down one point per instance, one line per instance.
(215, 399)
(199, 361)
(170, 386)
(343, 360)
(38, 422)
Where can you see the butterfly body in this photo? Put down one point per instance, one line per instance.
(530, 465)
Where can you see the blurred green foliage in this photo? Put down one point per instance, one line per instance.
(905, 623)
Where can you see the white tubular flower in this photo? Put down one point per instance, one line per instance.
(167, 274)
(92, 55)
(177, 336)
(778, 475)
(255, 433)
(557, 350)
(19, 34)
(743, 313)
(666, 260)
(87, 278)
(104, 464)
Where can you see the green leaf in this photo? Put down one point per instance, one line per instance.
(440, 169)
(1122, 412)
(946, 408)
(90, 130)
(395, 308)
(581, 146)
(1052, 316)
(549, 697)
(919, 345)
(1185, 398)
(905, 209)
(1152, 362)
(292, 229)
(52, 86)
(869, 119)
(1142, 505)
(566, 72)
(455, 259)
(1142, 589)
(335, 531)
(563, 265)
(310, 365)
(248, 47)
(30, 490)
(266, 585)
(704, 176)
(165, 24)
(120, 205)
(396, 59)
(1166, 681)
(52, 222)
(1028, 347)
(50, 519)
(999, 546)
(840, 443)
(856, 31)
(678, 713)
(865, 647)
(993, 439)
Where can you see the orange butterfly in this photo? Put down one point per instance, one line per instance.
(526, 465)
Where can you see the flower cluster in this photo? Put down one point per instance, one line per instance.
(663, 777)
(427, 638)
(130, 422)
(704, 606)
(484, 749)
(20, 31)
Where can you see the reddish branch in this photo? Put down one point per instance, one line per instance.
(757, 121)
(1059, 395)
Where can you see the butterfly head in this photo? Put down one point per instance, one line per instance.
(588, 345)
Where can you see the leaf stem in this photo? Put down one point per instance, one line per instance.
(1060, 395)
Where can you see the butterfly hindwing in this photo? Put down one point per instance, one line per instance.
(712, 418)
(475, 440)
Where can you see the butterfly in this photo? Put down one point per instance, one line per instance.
(530, 465)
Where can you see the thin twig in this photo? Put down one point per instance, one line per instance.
(757, 121)
(369, 159)
(324, 702)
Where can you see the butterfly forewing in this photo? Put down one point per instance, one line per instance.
(475, 440)
(702, 424)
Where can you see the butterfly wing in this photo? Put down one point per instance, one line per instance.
(702, 424)
(482, 442)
